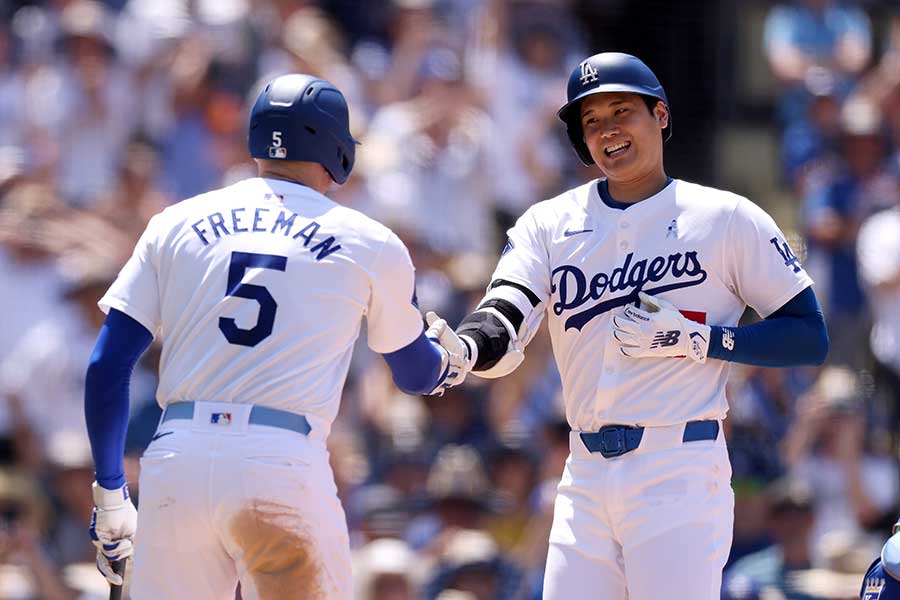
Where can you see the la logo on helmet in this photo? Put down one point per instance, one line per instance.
(588, 73)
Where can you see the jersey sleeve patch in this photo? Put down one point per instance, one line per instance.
(784, 250)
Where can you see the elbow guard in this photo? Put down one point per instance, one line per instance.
(500, 328)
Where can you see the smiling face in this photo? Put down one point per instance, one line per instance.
(624, 137)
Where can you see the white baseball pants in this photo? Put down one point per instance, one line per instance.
(229, 501)
(653, 523)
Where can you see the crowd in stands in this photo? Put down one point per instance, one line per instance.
(110, 111)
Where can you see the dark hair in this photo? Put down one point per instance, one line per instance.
(651, 102)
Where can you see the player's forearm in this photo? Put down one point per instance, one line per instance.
(119, 345)
(501, 327)
(794, 335)
(416, 368)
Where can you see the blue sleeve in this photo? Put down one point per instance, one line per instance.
(793, 335)
(119, 345)
(416, 367)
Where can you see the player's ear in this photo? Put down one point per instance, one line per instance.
(661, 112)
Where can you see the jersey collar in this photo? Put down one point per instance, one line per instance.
(603, 192)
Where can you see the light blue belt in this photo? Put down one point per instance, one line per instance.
(259, 415)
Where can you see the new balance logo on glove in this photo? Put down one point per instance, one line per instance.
(664, 339)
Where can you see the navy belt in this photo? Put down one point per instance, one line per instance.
(259, 415)
(616, 440)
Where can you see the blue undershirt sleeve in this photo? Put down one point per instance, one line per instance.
(119, 345)
(793, 335)
(416, 367)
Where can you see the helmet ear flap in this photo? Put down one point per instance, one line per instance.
(576, 137)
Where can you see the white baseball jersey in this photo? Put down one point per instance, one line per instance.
(258, 291)
(709, 252)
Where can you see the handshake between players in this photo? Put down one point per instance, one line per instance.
(655, 329)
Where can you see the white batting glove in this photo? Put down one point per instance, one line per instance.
(459, 356)
(112, 528)
(658, 330)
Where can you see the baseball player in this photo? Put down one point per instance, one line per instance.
(882, 580)
(643, 279)
(257, 292)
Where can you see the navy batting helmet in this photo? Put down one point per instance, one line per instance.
(300, 117)
(882, 580)
(607, 72)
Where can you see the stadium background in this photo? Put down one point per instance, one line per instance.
(110, 111)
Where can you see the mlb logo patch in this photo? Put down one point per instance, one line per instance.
(277, 152)
(220, 418)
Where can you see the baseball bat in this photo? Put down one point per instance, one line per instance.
(115, 591)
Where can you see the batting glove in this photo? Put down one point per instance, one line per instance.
(112, 528)
(459, 356)
(658, 330)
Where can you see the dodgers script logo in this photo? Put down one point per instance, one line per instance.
(631, 277)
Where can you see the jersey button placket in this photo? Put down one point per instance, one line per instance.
(623, 241)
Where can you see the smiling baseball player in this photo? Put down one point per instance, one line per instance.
(643, 279)
(257, 292)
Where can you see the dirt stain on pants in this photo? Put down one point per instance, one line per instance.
(280, 556)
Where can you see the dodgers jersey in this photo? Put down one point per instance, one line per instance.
(258, 290)
(711, 253)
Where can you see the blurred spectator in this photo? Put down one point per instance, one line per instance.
(528, 65)
(834, 211)
(513, 477)
(414, 30)
(200, 144)
(135, 198)
(27, 259)
(469, 561)
(26, 570)
(458, 496)
(316, 46)
(809, 39)
(426, 160)
(830, 449)
(457, 417)
(810, 145)
(385, 569)
(94, 90)
(790, 522)
(878, 253)
(378, 511)
(43, 378)
(71, 468)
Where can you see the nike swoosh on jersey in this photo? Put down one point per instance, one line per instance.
(159, 435)
(568, 233)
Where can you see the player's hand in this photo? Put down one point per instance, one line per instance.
(112, 528)
(658, 330)
(458, 355)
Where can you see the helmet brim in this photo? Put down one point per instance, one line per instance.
(564, 113)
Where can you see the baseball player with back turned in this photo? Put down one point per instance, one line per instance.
(257, 292)
(643, 279)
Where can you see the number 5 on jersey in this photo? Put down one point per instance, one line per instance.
(240, 262)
